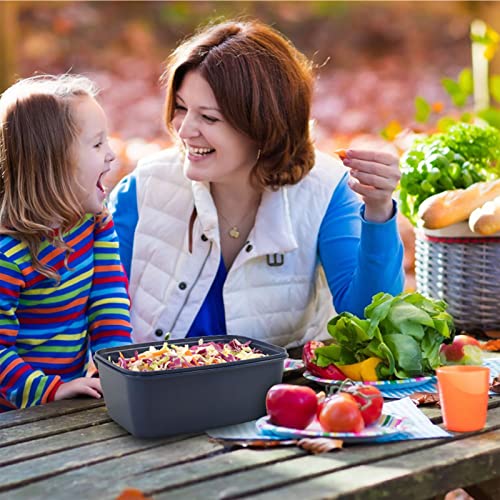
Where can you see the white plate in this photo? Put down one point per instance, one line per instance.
(387, 425)
(389, 385)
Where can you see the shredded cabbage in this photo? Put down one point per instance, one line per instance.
(172, 356)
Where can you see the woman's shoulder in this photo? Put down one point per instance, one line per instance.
(325, 175)
(166, 159)
(327, 166)
(161, 171)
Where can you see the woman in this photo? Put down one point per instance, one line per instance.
(245, 228)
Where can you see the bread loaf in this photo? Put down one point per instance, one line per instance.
(449, 207)
(486, 219)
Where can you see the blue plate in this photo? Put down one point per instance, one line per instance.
(388, 385)
(387, 425)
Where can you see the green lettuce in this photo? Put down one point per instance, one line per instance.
(405, 331)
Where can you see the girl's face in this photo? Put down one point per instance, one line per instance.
(92, 153)
(216, 152)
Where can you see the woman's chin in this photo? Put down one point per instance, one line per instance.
(194, 174)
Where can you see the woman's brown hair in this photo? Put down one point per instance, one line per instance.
(263, 86)
(37, 169)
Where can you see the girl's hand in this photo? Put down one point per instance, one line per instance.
(79, 387)
(374, 176)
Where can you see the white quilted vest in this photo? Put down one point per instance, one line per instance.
(285, 304)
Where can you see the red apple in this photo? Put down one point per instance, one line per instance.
(291, 405)
(464, 350)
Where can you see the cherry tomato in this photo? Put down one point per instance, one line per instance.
(291, 405)
(341, 413)
(370, 400)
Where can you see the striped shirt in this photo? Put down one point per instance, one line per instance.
(47, 330)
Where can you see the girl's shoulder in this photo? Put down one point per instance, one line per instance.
(14, 253)
(10, 244)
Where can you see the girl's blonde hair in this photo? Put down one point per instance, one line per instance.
(37, 167)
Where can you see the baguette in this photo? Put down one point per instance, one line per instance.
(447, 208)
(486, 219)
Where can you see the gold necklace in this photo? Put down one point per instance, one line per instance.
(233, 230)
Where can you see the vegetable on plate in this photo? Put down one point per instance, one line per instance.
(400, 337)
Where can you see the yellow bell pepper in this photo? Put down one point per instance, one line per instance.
(363, 371)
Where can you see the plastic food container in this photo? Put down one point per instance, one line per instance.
(163, 403)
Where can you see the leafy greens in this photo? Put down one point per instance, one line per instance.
(405, 331)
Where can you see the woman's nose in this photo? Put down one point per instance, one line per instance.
(187, 127)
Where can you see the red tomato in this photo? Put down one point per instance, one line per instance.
(370, 401)
(341, 413)
(291, 405)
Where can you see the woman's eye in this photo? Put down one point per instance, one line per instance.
(210, 119)
(178, 107)
(98, 145)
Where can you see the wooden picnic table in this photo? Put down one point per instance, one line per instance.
(73, 450)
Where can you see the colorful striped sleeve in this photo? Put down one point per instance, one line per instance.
(20, 385)
(109, 304)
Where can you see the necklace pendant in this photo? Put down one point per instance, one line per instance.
(234, 233)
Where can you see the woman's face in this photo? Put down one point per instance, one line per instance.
(215, 151)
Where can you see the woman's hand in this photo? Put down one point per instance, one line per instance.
(79, 387)
(374, 176)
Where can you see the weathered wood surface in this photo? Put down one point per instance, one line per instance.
(72, 449)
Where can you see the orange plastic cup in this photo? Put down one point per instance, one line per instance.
(463, 393)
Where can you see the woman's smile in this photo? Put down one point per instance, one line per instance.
(199, 154)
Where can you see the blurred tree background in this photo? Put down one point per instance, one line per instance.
(372, 58)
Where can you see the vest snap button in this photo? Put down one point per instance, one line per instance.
(249, 248)
(204, 238)
(182, 285)
(159, 332)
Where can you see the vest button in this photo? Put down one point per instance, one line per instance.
(204, 238)
(159, 332)
(182, 285)
(249, 248)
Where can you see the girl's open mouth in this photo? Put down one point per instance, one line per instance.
(99, 183)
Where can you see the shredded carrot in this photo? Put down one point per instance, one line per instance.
(155, 354)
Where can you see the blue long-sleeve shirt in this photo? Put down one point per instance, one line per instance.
(360, 258)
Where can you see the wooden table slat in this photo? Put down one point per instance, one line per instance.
(113, 474)
(58, 443)
(47, 411)
(48, 427)
(420, 475)
(51, 465)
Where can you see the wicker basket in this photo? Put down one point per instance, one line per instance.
(462, 269)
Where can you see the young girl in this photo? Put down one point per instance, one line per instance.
(62, 287)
